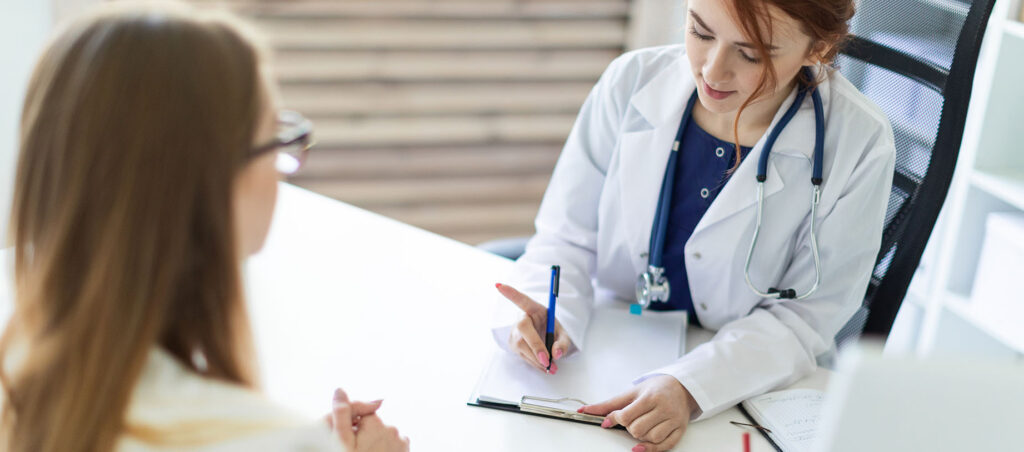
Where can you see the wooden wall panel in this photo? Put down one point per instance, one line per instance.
(446, 114)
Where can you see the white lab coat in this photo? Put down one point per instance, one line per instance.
(595, 221)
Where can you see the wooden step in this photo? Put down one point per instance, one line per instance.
(342, 99)
(437, 131)
(445, 114)
(476, 238)
(406, 66)
(425, 10)
(419, 163)
(375, 194)
(475, 234)
(381, 34)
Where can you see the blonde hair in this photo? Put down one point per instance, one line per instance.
(135, 122)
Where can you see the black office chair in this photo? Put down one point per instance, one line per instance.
(916, 60)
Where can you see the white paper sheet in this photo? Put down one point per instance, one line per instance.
(619, 347)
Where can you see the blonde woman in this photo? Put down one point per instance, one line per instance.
(150, 149)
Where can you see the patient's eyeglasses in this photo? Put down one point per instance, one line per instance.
(292, 143)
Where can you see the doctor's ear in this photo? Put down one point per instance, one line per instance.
(820, 52)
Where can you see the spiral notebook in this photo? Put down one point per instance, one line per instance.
(619, 348)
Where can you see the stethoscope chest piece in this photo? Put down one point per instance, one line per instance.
(652, 286)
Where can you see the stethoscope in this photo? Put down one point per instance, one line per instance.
(652, 286)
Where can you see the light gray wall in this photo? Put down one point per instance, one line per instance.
(24, 27)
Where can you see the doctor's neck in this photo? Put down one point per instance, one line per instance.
(753, 121)
(756, 49)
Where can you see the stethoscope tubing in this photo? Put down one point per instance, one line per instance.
(816, 197)
(657, 244)
(816, 180)
(661, 221)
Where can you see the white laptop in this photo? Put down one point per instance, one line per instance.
(901, 404)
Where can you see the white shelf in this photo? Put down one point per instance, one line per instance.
(961, 307)
(1014, 28)
(917, 293)
(990, 178)
(1008, 186)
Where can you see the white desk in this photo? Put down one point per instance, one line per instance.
(343, 297)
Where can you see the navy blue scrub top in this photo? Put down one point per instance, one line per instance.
(702, 171)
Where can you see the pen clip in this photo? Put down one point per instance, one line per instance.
(556, 275)
(742, 424)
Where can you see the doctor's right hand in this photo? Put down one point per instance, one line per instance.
(527, 338)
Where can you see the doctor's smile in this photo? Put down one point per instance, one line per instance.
(716, 94)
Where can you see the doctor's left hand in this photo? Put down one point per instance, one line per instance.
(656, 412)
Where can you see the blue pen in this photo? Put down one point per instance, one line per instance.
(549, 336)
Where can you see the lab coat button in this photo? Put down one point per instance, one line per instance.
(704, 193)
(704, 306)
(696, 256)
(720, 152)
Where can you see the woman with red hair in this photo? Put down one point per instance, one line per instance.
(718, 170)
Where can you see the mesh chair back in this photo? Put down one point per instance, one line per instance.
(916, 60)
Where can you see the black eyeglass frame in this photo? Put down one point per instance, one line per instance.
(298, 130)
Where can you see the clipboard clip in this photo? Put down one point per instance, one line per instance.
(529, 405)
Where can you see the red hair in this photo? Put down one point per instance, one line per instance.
(825, 21)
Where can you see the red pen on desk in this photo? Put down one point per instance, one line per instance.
(746, 441)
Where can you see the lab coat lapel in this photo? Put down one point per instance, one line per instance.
(741, 191)
(644, 152)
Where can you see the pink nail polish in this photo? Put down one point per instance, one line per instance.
(639, 448)
(607, 423)
(580, 410)
(498, 285)
(543, 358)
(558, 353)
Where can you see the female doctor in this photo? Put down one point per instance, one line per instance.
(682, 159)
